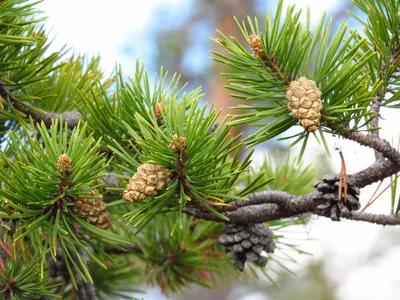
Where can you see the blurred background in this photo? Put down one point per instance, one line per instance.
(350, 260)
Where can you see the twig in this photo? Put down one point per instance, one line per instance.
(379, 219)
(71, 117)
(377, 101)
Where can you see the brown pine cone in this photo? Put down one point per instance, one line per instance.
(93, 211)
(148, 180)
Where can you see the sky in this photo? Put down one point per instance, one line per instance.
(96, 26)
(99, 27)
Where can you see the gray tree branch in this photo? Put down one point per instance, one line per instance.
(379, 97)
(71, 117)
(380, 219)
(274, 205)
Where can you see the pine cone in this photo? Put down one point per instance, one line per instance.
(304, 100)
(331, 206)
(246, 242)
(93, 211)
(146, 182)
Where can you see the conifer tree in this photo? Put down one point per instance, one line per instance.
(107, 182)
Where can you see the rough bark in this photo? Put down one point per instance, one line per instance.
(274, 205)
(70, 117)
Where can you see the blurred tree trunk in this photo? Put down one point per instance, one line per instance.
(173, 44)
(223, 12)
(226, 9)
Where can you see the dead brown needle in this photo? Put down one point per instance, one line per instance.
(342, 179)
(372, 200)
(373, 195)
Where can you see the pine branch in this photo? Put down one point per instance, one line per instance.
(71, 117)
(381, 15)
(274, 205)
(263, 206)
(190, 151)
(377, 101)
(380, 219)
(374, 173)
(375, 108)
